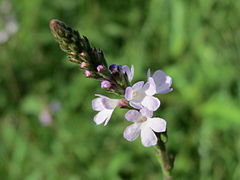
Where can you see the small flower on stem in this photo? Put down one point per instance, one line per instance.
(105, 106)
(141, 95)
(143, 125)
(162, 81)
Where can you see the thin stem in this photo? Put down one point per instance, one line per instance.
(165, 160)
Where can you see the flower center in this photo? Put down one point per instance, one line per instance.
(135, 94)
(142, 119)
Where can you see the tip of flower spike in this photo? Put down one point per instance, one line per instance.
(53, 23)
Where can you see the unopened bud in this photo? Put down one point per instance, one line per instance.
(83, 65)
(113, 68)
(100, 68)
(105, 84)
(88, 74)
(82, 54)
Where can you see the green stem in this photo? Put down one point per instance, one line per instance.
(165, 160)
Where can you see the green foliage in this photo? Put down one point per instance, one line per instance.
(195, 42)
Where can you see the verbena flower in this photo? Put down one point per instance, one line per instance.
(105, 106)
(143, 125)
(162, 81)
(128, 71)
(141, 95)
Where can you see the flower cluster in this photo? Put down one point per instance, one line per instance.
(140, 99)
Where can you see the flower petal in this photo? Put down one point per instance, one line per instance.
(162, 81)
(151, 103)
(132, 115)
(148, 73)
(97, 104)
(132, 73)
(132, 132)
(157, 124)
(102, 116)
(151, 87)
(129, 72)
(136, 105)
(145, 112)
(110, 103)
(128, 93)
(138, 85)
(148, 137)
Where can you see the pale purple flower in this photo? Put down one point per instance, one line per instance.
(105, 84)
(162, 81)
(143, 125)
(105, 106)
(128, 71)
(141, 95)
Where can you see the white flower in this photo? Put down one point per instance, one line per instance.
(141, 95)
(105, 106)
(129, 72)
(143, 125)
(161, 80)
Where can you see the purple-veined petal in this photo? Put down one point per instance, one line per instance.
(110, 103)
(97, 104)
(151, 87)
(162, 81)
(102, 116)
(132, 132)
(145, 112)
(151, 103)
(135, 105)
(128, 93)
(138, 85)
(148, 137)
(132, 115)
(157, 124)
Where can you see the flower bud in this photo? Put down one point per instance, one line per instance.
(83, 65)
(82, 54)
(113, 68)
(105, 84)
(100, 68)
(88, 74)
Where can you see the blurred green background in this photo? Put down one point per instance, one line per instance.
(46, 127)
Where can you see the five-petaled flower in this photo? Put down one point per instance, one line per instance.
(143, 125)
(141, 95)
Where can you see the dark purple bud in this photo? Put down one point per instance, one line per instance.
(113, 68)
